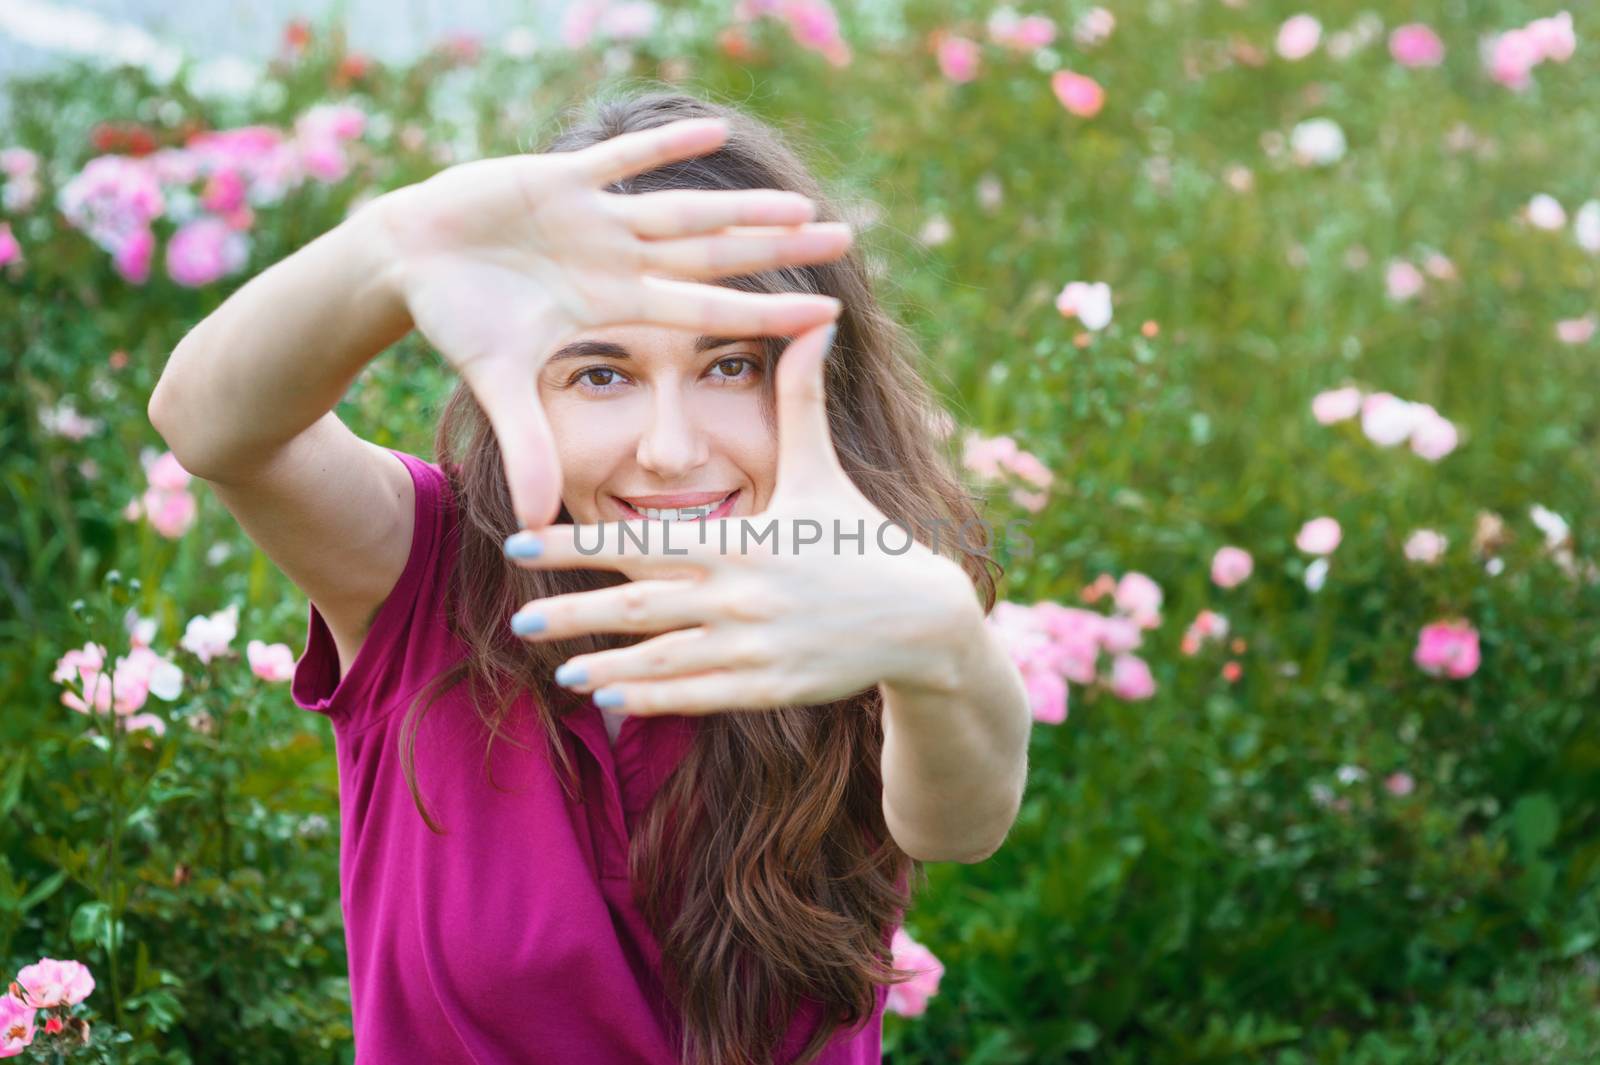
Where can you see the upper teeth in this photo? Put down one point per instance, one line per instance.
(680, 513)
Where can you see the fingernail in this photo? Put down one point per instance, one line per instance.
(827, 340)
(524, 545)
(527, 622)
(570, 673)
(608, 698)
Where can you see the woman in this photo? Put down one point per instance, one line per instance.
(705, 861)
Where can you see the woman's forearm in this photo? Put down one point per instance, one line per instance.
(281, 351)
(955, 755)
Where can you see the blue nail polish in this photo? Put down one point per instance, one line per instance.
(527, 623)
(524, 545)
(608, 698)
(570, 673)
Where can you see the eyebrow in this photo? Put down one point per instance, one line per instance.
(592, 349)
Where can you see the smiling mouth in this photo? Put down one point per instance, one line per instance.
(703, 512)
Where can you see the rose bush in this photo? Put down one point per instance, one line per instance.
(1314, 766)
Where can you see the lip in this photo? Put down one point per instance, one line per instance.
(689, 499)
(677, 499)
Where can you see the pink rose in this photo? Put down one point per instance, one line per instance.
(987, 456)
(204, 250)
(18, 162)
(48, 983)
(1336, 405)
(1387, 419)
(1033, 33)
(1032, 502)
(1079, 94)
(209, 636)
(1546, 212)
(1027, 466)
(1073, 639)
(169, 513)
(579, 21)
(910, 999)
(1131, 678)
(156, 675)
(1047, 695)
(1403, 281)
(1231, 567)
(1088, 301)
(1448, 648)
(1208, 626)
(224, 192)
(631, 21)
(1119, 635)
(273, 662)
(1512, 57)
(1093, 27)
(139, 722)
(958, 58)
(1434, 436)
(1416, 45)
(1425, 546)
(1440, 266)
(133, 254)
(167, 474)
(1022, 34)
(1298, 37)
(16, 1026)
(1139, 597)
(1319, 536)
(1577, 330)
(10, 250)
(1552, 38)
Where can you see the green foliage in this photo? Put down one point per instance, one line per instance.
(1174, 889)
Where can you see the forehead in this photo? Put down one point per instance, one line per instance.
(642, 338)
(644, 341)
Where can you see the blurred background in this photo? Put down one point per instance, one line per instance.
(1272, 323)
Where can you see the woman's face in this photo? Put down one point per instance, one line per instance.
(651, 418)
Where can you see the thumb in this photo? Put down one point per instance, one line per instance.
(805, 444)
(510, 398)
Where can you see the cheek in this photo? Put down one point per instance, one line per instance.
(745, 437)
(589, 446)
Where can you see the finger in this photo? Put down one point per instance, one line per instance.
(733, 253)
(682, 212)
(639, 548)
(672, 654)
(806, 455)
(633, 153)
(703, 693)
(637, 606)
(509, 396)
(719, 311)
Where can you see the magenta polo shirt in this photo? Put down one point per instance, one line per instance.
(513, 938)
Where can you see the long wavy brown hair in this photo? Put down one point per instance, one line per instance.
(763, 865)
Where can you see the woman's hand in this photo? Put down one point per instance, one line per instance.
(501, 259)
(801, 617)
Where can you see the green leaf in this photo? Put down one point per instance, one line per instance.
(42, 890)
(1534, 822)
(92, 926)
(11, 785)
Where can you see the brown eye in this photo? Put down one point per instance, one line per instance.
(589, 378)
(735, 362)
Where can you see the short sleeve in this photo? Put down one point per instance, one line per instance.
(403, 642)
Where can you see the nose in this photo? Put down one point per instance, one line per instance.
(671, 443)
